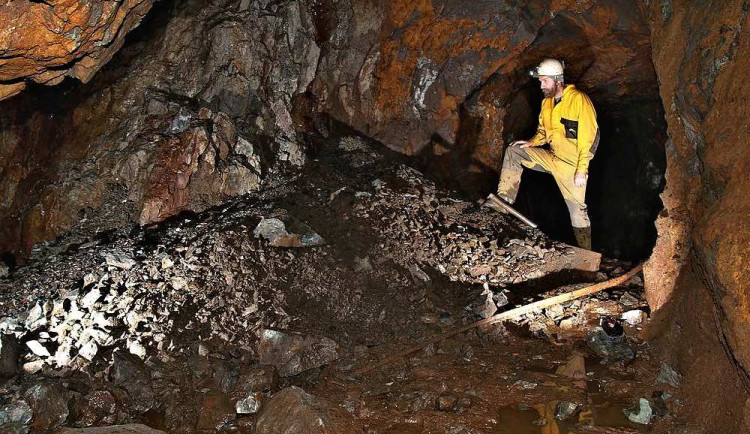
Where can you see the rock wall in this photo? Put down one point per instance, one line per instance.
(196, 109)
(448, 83)
(433, 77)
(411, 74)
(46, 41)
(705, 202)
(704, 231)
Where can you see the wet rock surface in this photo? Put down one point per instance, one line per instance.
(197, 324)
(697, 268)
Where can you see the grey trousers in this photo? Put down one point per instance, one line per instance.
(542, 160)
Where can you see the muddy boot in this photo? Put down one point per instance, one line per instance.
(505, 199)
(583, 237)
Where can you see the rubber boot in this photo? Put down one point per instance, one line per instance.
(583, 237)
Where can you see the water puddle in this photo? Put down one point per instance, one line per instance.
(545, 418)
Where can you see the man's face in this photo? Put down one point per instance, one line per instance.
(548, 86)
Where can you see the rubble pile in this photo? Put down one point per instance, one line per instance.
(245, 299)
(223, 275)
(574, 319)
(136, 303)
(462, 240)
(118, 304)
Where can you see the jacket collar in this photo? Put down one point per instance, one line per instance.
(566, 90)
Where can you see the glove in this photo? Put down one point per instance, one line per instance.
(580, 179)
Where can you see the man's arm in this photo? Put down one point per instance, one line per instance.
(587, 128)
(539, 139)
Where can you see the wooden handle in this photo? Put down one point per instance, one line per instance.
(496, 200)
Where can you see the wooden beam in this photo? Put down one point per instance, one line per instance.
(513, 313)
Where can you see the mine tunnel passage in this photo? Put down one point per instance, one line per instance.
(626, 176)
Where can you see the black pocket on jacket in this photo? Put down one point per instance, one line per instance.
(571, 128)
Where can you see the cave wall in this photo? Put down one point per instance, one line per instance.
(704, 230)
(448, 83)
(433, 77)
(197, 108)
(410, 73)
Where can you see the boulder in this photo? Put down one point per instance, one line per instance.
(249, 404)
(15, 417)
(130, 373)
(50, 405)
(292, 353)
(9, 352)
(294, 411)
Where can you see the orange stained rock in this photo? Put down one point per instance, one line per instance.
(46, 41)
(426, 35)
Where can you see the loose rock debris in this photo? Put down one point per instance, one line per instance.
(205, 323)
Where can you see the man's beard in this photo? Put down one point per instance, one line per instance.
(548, 92)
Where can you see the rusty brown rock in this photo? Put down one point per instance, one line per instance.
(700, 256)
(217, 410)
(50, 404)
(185, 173)
(417, 74)
(45, 42)
(705, 201)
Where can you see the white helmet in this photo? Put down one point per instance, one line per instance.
(549, 68)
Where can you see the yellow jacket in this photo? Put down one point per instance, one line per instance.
(569, 127)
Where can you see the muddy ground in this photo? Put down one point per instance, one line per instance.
(218, 321)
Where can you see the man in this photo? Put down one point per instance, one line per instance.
(567, 122)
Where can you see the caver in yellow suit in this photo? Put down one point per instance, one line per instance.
(569, 126)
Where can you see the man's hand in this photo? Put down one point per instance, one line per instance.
(521, 143)
(580, 179)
